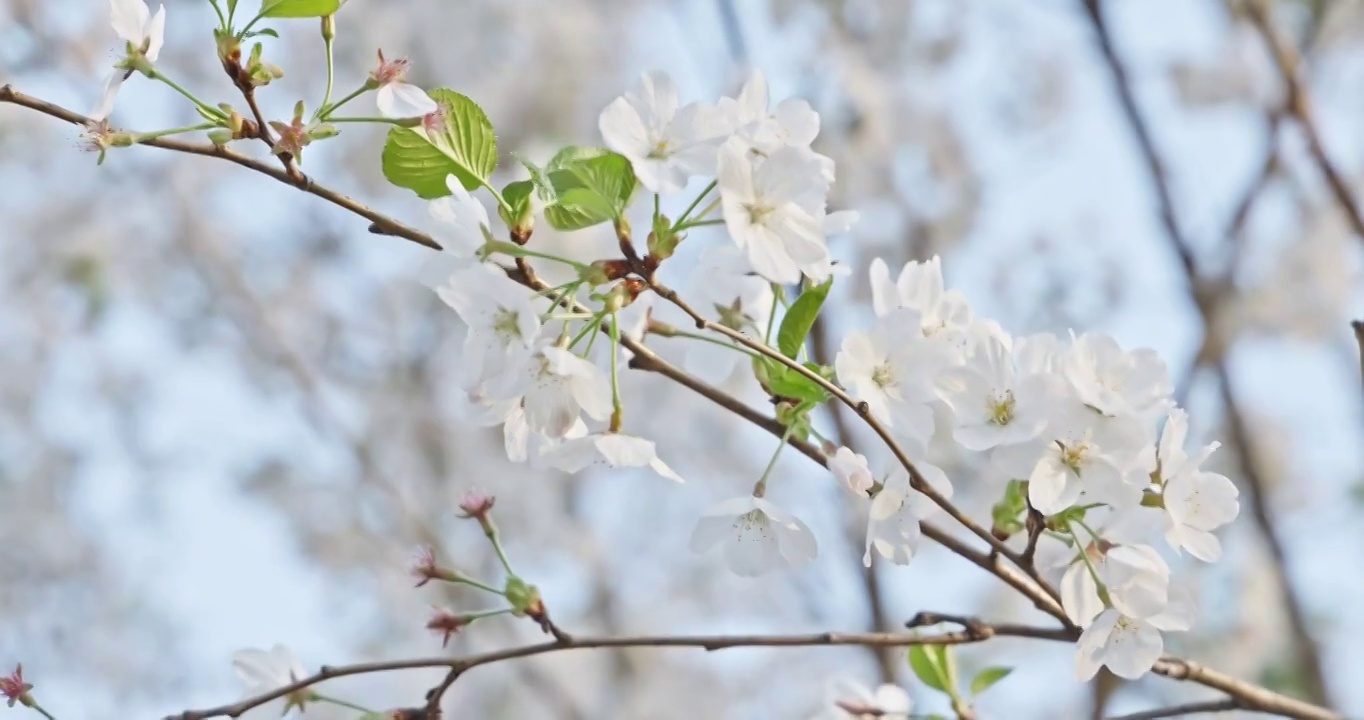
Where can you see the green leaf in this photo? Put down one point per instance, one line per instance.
(929, 666)
(298, 8)
(231, 7)
(540, 178)
(987, 677)
(590, 186)
(786, 382)
(517, 195)
(795, 326)
(263, 31)
(467, 149)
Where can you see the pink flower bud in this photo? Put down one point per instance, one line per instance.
(447, 623)
(476, 505)
(14, 688)
(425, 568)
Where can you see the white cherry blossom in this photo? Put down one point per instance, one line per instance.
(556, 387)
(847, 699)
(1196, 502)
(503, 322)
(992, 403)
(754, 536)
(144, 34)
(608, 449)
(462, 228)
(1135, 577)
(1079, 455)
(890, 368)
(766, 202)
(1115, 382)
(851, 468)
(1129, 646)
(893, 523)
(666, 145)
(262, 671)
(742, 301)
(792, 123)
(942, 313)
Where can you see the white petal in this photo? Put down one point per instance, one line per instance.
(1079, 594)
(623, 131)
(106, 101)
(129, 18)
(156, 34)
(1089, 648)
(662, 468)
(1133, 648)
(404, 100)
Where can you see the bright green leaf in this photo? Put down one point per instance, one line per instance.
(590, 186)
(467, 149)
(263, 31)
(795, 326)
(517, 195)
(786, 382)
(987, 677)
(928, 665)
(298, 8)
(231, 7)
(540, 178)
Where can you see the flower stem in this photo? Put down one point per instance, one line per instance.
(495, 538)
(143, 137)
(384, 120)
(477, 584)
(325, 111)
(593, 324)
(43, 712)
(697, 223)
(156, 74)
(771, 316)
(331, 70)
(319, 697)
(695, 202)
(711, 340)
(760, 489)
(514, 250)
(617, 407)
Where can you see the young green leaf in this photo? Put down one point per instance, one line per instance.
(929, 666)
(987, 677)
(517, 194)
(800, 318)
(465, 148)
(785, 382)
(590, 185)
(298, 8)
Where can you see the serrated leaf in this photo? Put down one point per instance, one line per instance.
(298, 8)
(540, 178)
(786, 382)
(466, 148)
(927, 664)
(795, 326)
(987, 677)
(517, 195)
(590, 185)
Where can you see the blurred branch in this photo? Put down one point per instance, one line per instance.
(1033, 587)
(1305, 646)
(980, 632)
(1358, 327)
(1288, 61)
(1177, 710)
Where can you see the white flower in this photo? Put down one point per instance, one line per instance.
(942, 313)
(397, 98)
(463, 229)
(557, 386)
(847, 699)
(1195, 502)
(1135, 577)
(791, 124)
(1114, 382)
(754, 535)
(993, 404)
(742, 301)
(851, 468)
(893, 523)
(609, 449)
(145, 34)
(1128, 646)
(503, 322)
(665, 145)
(890, 369)
(1080, 454)
(765, 209)
(264, 671)
(484, 412)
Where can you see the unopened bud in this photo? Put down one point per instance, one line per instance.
(221, 136)
(663, 241)
(15, 689)
(524, 597)
(299, 109)
(322, 131)
(329, 27)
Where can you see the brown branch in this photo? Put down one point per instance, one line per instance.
(1177, 710)
(458, 666)
(1289, 64)
(1252, 696)
(1358, 327)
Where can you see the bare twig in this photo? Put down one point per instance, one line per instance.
(1042, 596)
(1178, 710)
(1358, 327)
(1287, 60)
(459, 666)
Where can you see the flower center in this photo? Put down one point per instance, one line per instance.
(883, 376)
(757, 213)
(1002, 410)
(505, 324)
(660, 150)
(1073, 456)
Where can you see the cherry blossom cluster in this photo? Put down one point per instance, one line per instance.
(1078, 440)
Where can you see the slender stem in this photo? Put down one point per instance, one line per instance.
(771, 315)
(617, 407)
(222, 21)
(698, 223)
(326, 110)
(156, 74)
(760, 489)
(462, 580)
(686, 214)
(331, 70)
(519, 251)
(141, 137)
(386, 121)
(711, 340)
(249, 25)
(502, 201)
(319, 697)
(43, 711)
(495, 538)
(593, 324)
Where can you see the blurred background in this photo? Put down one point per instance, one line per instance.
(228, 413)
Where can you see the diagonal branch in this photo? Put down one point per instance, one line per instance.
(1252, 696)
(1178, 710)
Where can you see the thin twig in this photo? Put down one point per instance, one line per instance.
(459, 666)
(1358, 327)
(1178, 710)
(1288, 62)
(1253, 697)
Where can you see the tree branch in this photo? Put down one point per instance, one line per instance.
(1177, 710)
(1252, 696)
(709, 643)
